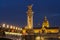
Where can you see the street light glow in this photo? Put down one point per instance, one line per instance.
(16, 28)
(11, 27)
(7, 26)
(3, 25)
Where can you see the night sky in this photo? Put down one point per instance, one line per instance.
(13, 12)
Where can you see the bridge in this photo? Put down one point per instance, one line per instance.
(15, 33)
(11, 32)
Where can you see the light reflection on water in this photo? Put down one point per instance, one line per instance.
(41, 38)
(30, 38)
(36, 39)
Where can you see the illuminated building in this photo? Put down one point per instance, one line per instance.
(46, 28)
(45, 22)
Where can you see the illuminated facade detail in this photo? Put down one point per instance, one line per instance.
(45, 22)
(30, 17)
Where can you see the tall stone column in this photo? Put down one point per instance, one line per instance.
(30, 17)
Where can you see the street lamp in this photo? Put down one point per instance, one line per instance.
(7, 26)
(19, 28)
(16, 28)
(3, 25)
(11, 27)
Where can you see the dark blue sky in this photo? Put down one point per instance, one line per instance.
(14, 11)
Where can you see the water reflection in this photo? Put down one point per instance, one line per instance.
(31, 37)
(39, 38)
